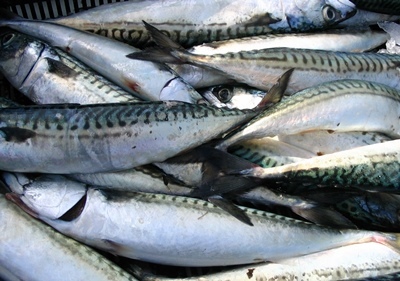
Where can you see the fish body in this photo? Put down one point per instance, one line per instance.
(206, 21)
(107, 57)
(346, 105)
(25, 239)
(135, 225)
(312, 67)
(49, 75)
(373, 167)
(107, 137)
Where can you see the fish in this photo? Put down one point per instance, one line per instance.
(107, 137)
(25, 239)
(217, 20)
(312, 67)
(339, 106)
(350, 262)
(338, 40)
(193, 226)
(106, 56)
(48, 75)
(371, 168)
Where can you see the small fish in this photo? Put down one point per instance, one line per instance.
(372, 167)
(206, 21)
(312, 67)
(342, 106)
(152, 81)
(24, 241)
(101, 219)
(48, 75)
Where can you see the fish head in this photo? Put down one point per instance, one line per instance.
(48, 196)
(317, 14)
(18, 55)
(233, 96)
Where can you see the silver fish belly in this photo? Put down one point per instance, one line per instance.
(48, 75)
(107, 57)
(218, 20)
(135, 225)
(106, 137)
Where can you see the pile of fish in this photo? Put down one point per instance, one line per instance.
(248, 139)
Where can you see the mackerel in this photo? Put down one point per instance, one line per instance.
(107, 137)
(262, 67)
(372, 167)
(174, 230)
(342, 106)
(205, 21)
(344, 263)
(107, 57)
(49, 75)
(24, 241)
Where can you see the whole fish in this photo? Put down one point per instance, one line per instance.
(107, 137)
(312, 67)
(205, 21)
(344, 263)
(337, 40)
(48, 75)
(371, 167)
(174, 230)
(342, 106)
(108, 57)
(24, 240)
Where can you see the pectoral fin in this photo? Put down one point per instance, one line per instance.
(15, 134)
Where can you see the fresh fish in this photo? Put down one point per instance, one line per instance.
(49, 75)
(371, 167)
(337, 40)
(24, 242)
(312, 67)
(343, 106)
(206, 21)
(391, 7)
(108, 58)
(344, 263)
(325, 142)
(363, 18)
(174, 230)
(268, 152)
(107, 137)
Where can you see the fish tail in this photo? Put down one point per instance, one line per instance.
(167, 51)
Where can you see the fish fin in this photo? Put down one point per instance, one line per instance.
(156, 54)
(6, 15)
(15, 134)
(230, 208)
(277, 91)
(57, 67)
(15, 198)
(324, 216)
(161, 39)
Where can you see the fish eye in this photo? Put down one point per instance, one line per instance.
(330, 14)
(223, 94)
(7, 38)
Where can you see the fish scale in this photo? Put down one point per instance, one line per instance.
(108, 137)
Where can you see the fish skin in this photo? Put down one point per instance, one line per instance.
(52, 76)
(106, 56)
(218, 20)
(70, 260)
(218, 236)
(107, 137)
(373, 167)
(312, 67)
(307, 110)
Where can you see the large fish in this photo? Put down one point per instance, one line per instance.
(174, 230)
(108, 58)
(206, 21)
(49, 75)
(345, 105)
(262, 67)
(24, 242)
